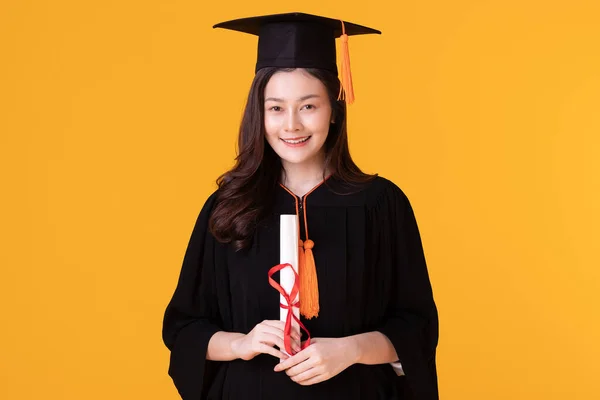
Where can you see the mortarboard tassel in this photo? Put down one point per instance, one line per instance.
(346, 88)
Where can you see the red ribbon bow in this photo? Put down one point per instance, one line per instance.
(289, 306)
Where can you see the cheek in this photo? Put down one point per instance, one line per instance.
(318, 123)
(272, 131)
(271, 125)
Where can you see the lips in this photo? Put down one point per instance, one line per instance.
(296, 140)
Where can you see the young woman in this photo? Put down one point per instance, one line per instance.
(366, 298)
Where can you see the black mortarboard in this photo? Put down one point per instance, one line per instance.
(299, 40)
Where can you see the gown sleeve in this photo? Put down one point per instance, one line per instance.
(192, 315)
(411, 318)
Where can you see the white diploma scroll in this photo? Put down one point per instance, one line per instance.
(288, 253)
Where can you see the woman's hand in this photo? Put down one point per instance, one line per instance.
(322, 360)
(261, 339)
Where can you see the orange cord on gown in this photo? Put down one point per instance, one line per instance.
(309, 285)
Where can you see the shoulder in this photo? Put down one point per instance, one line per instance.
(212, 198)
(208, 205)
(381, 183)
(382, 190)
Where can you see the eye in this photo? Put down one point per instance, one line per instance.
(275, 108)
(309, 107)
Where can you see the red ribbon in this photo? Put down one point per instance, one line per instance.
(289, 306)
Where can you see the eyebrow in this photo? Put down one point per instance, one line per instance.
(310, 96)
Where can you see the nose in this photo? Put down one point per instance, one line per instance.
(292, 123)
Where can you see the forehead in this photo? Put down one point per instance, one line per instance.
(293, 84)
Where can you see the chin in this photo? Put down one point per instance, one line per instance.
(294, 160)
(296, 156)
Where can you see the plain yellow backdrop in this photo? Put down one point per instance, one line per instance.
(116, 117)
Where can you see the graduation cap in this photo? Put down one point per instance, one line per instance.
(298, 40)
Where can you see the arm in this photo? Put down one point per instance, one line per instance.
(411, 320)
(192, 316)
(221, 346)
(372, 348)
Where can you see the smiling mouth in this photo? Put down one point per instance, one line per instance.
(296, 141)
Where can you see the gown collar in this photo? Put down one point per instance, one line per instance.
(329, 193)
(310, 191)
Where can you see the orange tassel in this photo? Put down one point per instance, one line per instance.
(301, 262)
(309, 286)
(346, 88)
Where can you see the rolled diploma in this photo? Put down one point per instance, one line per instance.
(288, 253)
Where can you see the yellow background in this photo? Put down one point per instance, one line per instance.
(117, 116)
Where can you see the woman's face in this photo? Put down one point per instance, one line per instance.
(297, 116)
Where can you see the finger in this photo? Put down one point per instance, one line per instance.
(306, 375)
(274, 323)
(270, 329)
(270, 339)
(295, 347)
(279, 333)
(293, 360)
(295, 343)
(315, 379)
(263, 348)
(279, 328)
(274, 337)
(301, 367)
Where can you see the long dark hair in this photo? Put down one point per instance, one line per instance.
(246, 192)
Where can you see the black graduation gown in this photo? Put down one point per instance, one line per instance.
(372, 276)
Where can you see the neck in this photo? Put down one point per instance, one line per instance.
(301, 178)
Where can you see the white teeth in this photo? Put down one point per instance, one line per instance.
(296, 141)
